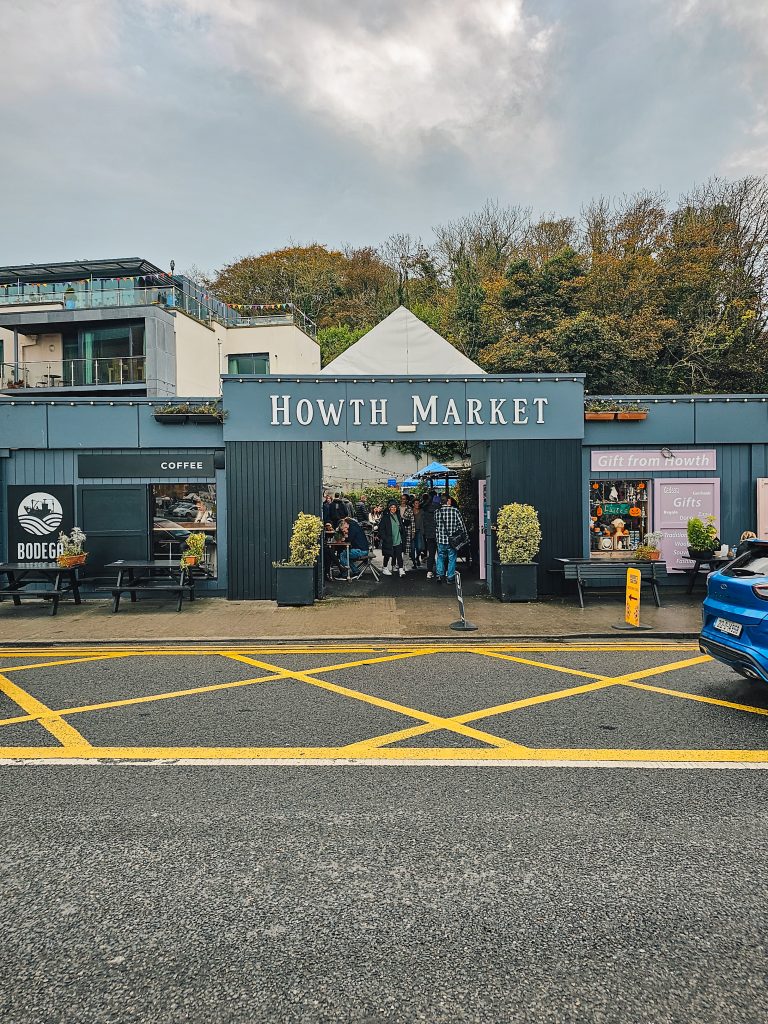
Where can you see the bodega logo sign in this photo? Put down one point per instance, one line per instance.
(36, 516)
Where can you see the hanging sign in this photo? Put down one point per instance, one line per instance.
(638, 460)
(37, 513)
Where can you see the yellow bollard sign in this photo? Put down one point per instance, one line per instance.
(632, 611)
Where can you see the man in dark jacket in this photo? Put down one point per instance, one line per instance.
(338, 509)
(430, 505)
(353, 533)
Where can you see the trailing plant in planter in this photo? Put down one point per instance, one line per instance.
(181, 412)
(518, 539)
(702, 537)
(296, 575)
(599, 409)
(72, 548)
(194, 549)
(632, 411)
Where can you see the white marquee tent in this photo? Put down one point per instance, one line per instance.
(402, 344)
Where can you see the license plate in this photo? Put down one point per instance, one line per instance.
(726, 626)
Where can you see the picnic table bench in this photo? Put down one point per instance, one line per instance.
(57, 579)
(611, 575)
(150, 577)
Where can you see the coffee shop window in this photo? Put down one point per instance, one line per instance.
(177, 511)
(619, 516)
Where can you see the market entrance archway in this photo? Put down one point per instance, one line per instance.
(524, 432)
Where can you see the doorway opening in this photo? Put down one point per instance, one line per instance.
(371, 549)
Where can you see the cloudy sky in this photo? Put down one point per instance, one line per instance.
(204, 130)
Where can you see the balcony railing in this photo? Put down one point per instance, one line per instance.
(73, 373)
(170, 298)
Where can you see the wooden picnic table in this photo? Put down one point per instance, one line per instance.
(693, 572)
(142, 576)
(58, 581)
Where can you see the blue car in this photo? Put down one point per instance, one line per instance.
(735, 613)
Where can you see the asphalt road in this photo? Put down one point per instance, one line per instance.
(148, 890)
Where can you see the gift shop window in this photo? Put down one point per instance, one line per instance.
(177, 511)
(619, 516)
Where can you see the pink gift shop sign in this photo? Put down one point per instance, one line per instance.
(639, 461)
(675, 502)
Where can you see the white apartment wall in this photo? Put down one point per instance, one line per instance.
(202, 351)
(290, 350)
(197, 357)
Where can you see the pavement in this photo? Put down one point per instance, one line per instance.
(544, 832)
(394, 613)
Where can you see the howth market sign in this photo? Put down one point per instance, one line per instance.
(344, 409)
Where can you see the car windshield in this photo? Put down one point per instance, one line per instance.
(753, 563)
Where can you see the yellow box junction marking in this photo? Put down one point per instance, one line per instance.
(378, 748)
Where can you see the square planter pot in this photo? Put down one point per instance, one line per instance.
(295, 585)
(518, 582)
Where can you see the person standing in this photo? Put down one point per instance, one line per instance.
(417, 540)
(327, 503)
(338, 509)
(406, 517)
(447, 521)
(430, 506)
(391, 536)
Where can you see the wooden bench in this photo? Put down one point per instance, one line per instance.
(613, 575)
(51, 582)
(139, 578)
(148, 587)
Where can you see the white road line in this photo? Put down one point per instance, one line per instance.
(324, 762)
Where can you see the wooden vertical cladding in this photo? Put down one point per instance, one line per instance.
(547, 475)
(268, 484)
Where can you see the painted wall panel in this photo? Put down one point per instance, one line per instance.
(547, 475)
(268, 484)
(23, 424)
(731, 422)
(90, 426)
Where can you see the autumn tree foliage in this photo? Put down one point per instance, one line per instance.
(641, 295)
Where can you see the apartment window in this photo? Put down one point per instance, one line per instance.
(252, 362)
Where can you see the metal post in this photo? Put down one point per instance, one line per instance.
(461, 624)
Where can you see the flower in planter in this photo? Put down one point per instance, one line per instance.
(72, 543)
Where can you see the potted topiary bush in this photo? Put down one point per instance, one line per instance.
(296, 576)
(702, 538)
(518, 539)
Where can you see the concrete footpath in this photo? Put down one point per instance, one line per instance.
(394, 617)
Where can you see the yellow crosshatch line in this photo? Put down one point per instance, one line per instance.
(76, 747)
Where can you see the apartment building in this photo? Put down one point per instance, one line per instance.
(128, 327)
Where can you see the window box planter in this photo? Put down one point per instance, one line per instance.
(295, 585)
(634, 416)
(69, 561)
(515, 582)
(204, 417)
(171, 417)
(599, 415)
